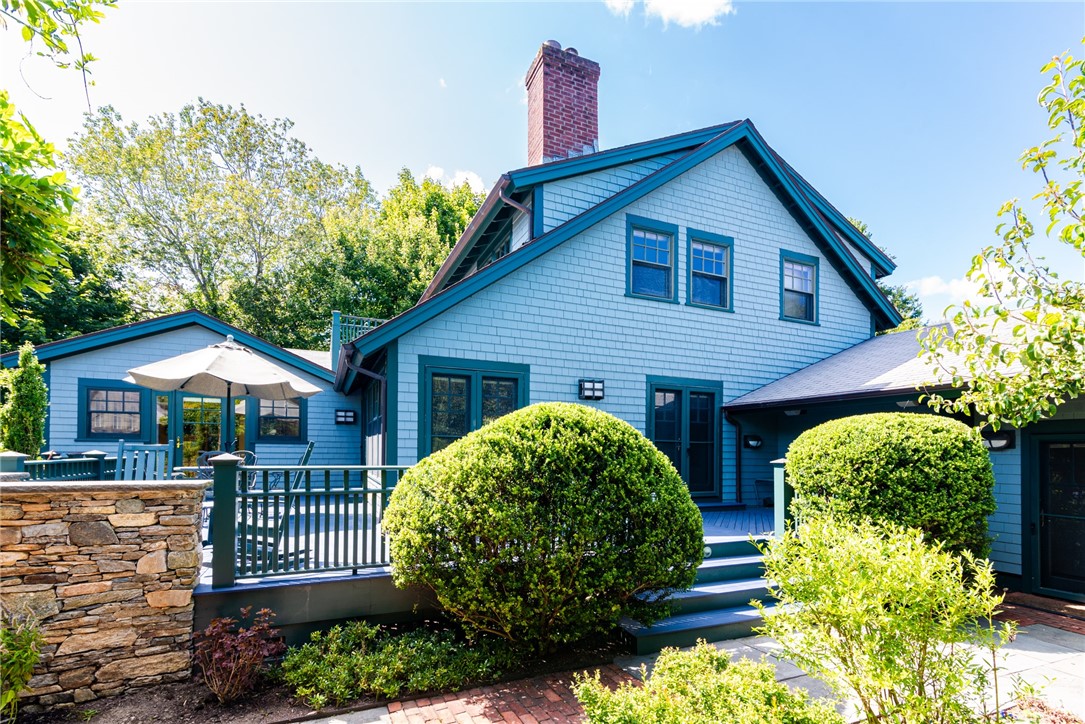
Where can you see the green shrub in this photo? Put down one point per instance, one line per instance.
(700, 686)
(919, 471)
(356, 659)
(22, 416)
(20, 649)
(545, 526)
(902, 627)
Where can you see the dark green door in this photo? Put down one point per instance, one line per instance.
(682, 424)
(1062, 515)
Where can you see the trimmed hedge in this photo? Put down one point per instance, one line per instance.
(545, 526)
(916, 470)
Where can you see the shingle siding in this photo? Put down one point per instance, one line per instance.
(334, 444)
(567, 316)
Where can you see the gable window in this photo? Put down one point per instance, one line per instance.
(652, 259)
(799, 280)
(114, 410)
(281, 421)
(459, 396)
(709, 270)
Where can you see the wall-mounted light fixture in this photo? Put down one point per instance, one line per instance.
(346, 417)
(752, 441)
(794, 413)
(1000, 440)
(907, 404)
(591, 389)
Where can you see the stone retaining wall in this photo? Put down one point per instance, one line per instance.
(108, 569)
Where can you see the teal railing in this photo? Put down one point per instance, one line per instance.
(90, 467)
(351, 327)
(281, 520)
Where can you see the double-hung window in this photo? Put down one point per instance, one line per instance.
(281, 421)
(459, 396)
(652, 259)
(709, 270)
(799, 282)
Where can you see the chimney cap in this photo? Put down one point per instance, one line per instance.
(572, 51)
(553, 44)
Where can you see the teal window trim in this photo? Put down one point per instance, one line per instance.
(686, 385)
(659, 227)
(252, 429)
(813, 261)
(475, 369)
(146, 410)
(727, 242)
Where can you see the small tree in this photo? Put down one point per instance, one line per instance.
(1018, 352)
(22, 416)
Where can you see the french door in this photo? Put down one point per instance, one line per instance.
(1061, 513)
(682, 423)
(198, 425)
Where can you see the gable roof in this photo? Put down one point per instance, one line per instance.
(168, 323)
(883, 366)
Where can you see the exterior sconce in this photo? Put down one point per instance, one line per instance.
(1001, 440)
(907, 404)
(794, 413)
(346, 417)
(591, 389)
(752, 441)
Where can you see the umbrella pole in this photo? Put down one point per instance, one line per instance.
(228, 443)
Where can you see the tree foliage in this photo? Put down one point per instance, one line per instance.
(22, 416)
(227, 212)
(1018, 351)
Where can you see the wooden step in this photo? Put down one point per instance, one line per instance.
(719, 595)
(731, 568)
(686, 629)
(719, 546)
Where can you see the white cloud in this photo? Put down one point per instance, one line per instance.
(936, 293)
(458, 177)
(685, 13)
(619, 7)
(441, 82)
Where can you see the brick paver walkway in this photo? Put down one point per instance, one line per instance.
(539, 699)
(1025, 616)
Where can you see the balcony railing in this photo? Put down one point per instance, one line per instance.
(283, 520)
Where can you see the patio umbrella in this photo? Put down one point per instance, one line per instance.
(224, 369)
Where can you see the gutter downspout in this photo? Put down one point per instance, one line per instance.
(514, 204)
(383, 400)
(738, 452)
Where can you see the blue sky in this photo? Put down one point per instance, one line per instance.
(910, 116)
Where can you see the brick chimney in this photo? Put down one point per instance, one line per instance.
(562, 105)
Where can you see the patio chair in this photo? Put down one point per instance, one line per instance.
(138, 461)
(267, 535)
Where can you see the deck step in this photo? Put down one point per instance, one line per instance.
(719, 595)
(718, 546)
(729, 568)
(686, 629)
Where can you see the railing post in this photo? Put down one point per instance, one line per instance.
(782, 493)
(12, 462)
(335, 338)
(99, 463)
(224, 520)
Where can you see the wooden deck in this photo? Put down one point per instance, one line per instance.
(738, 523)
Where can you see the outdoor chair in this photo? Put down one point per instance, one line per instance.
(138, 461)
(268, 532)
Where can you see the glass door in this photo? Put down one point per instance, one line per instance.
(1062, 516)
(682, 424)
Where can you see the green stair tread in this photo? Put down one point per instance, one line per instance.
(754, 585)
(693, 621)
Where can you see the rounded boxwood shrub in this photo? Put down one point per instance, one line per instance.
(919, 471)
(547, 525)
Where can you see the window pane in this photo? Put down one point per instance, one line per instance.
(799, 306)
(709, 258)
(709, 290)
(798, 277)
(114, 412)
(448, 409)
(668, 425)
(652, 281)
(280, 418)
(498, 398)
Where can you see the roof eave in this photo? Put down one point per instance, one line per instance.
(827, 399)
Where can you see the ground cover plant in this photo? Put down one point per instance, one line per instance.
(20, 650)
(545, 526)
(356, 659)
(919, 471)
(903, 627)
(232, 661)
(701, 686)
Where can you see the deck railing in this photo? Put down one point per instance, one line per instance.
(279, 520)
(93, 466)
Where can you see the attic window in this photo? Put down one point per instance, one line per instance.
(799, 279)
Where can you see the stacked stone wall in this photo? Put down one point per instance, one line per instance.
(108, 569)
